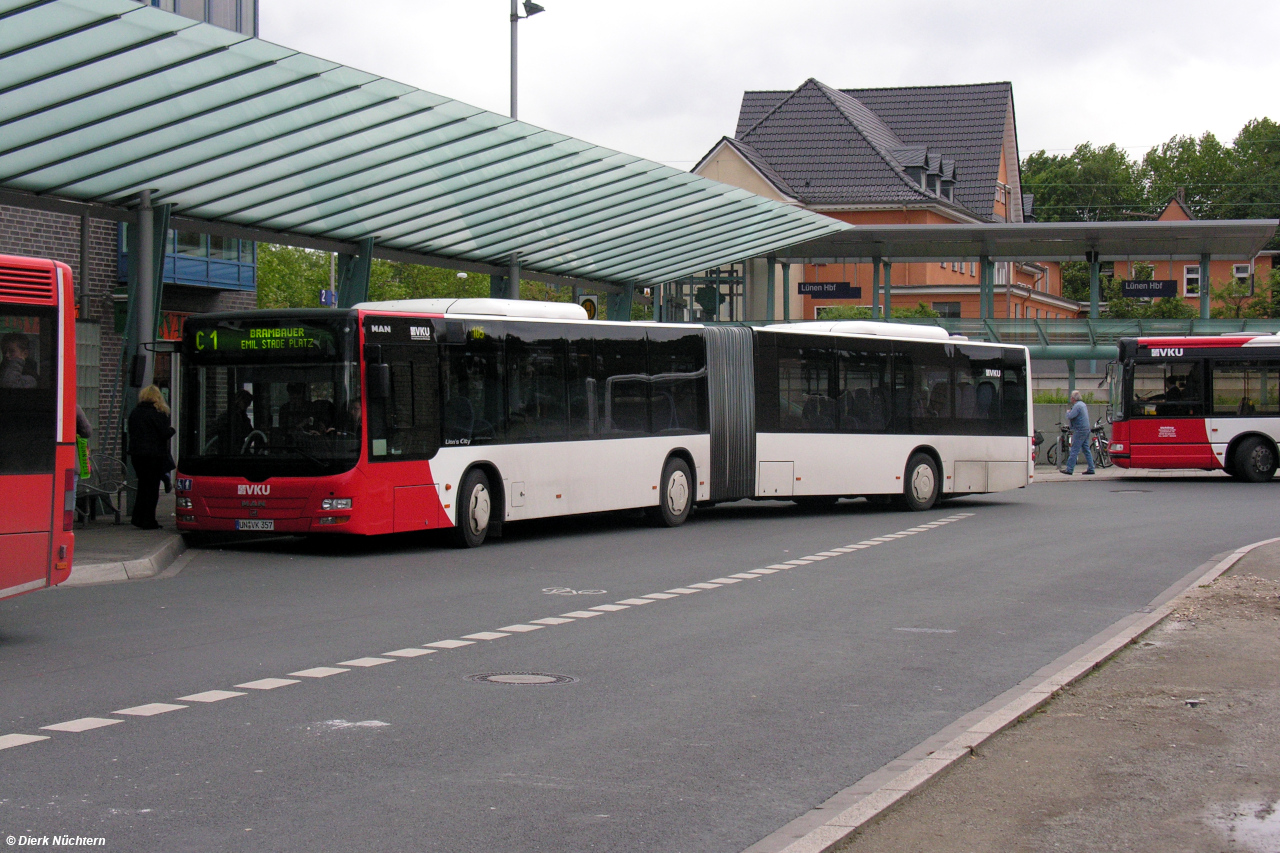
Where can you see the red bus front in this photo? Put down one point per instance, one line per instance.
(37, 424)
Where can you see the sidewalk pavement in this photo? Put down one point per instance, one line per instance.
(107, 552)
(1050, 474)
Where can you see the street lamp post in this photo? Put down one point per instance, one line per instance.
(530, 9)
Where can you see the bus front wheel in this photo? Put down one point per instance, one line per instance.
(1255, 461)
(474, 509)
(921, 484)
(675, 494)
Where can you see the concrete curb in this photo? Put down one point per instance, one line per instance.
(900, 779)
(157, 561)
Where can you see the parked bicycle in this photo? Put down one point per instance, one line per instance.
(1097, 445)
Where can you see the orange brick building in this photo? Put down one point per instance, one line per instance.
(920, 155)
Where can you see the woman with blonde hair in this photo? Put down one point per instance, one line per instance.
(149, 433)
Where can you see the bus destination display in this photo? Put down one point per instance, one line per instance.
(285, 340)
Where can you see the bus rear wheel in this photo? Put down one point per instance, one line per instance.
(675, 494)
(1254, 461)
(921, 485)
(474, 510)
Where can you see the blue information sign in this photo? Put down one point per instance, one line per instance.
(829, 290)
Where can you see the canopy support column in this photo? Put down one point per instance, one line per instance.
(1071, 375)
(1095, 284)
(875, 288)
(888, 291)
(986, 282)
(353, 274)
(786, 293)
(513, 277)
(769, 287)
(1206, 293)
(619, 304)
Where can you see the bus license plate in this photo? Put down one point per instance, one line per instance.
(255, 524)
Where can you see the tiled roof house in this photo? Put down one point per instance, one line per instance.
(913, 155)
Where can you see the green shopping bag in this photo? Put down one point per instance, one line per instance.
(82, 456)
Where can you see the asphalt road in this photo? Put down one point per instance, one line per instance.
(702, 721)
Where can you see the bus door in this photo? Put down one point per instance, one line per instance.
(28, 446)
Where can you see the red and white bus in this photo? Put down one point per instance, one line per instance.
(1198, 402)
(37, 424)
(469, 413)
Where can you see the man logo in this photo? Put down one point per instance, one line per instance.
(386, 330)
(1167, 352)
(263, 489)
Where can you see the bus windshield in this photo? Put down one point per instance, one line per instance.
(269, 397)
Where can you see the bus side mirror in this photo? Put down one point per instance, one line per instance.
(380, 381)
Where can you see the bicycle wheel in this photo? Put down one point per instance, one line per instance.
(1051, 454)
(1102, 455)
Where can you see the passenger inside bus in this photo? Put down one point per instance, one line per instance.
(18, 369)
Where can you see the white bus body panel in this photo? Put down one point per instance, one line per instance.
(1223, 431)
(869, 464)
(572, 477)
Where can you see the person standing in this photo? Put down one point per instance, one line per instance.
(149, 433)
(1078, 420)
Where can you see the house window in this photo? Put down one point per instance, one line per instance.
(1191, 280)
(973, 268)
(1244, 275)
(947, 309)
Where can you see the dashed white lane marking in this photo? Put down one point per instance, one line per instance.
(268, 683)
(448, 644)
(365, 662)
(319, 671)
(83, 724)
(149, 710)
(211, 696)
(88, 723)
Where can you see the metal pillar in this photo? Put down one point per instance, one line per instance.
(1071, 375)
(82, 279)
(353, 275)
(1095, 284)
(786, 293)
(875, 288)
(513, 277)
(515, 20)
(888, 291)
(769, 285)
(1206, 294)
(986, 276)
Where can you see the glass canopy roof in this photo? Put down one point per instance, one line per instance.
(100, 99)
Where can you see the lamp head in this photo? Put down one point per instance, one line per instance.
(531, 8)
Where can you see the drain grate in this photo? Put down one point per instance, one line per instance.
(536, 678)
(1130, 491)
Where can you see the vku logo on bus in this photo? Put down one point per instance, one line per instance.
(263, 489)
(1166, 351)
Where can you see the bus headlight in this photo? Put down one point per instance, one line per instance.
(335, 503)
(184, 503)
(1117, 447)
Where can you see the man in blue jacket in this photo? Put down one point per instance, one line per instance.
(1078, 420)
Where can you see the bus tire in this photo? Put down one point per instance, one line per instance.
(675, 494)
(1255, 460)
(921, 484)
(475, 508)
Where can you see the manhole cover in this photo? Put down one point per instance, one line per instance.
(1130, 491)
(521, 678)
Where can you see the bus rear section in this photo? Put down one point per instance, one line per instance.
(37, 424)
(1209, 403)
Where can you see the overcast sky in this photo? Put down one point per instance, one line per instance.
(663, 79)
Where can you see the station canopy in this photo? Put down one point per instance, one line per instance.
(1048, 241)
(102, 99)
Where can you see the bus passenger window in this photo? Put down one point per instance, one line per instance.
(1245, 390)
(805, 380)
(535, 390)
(1168, 389)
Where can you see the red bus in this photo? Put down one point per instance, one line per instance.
(468, 413)
(1198, 402)
(37, 424)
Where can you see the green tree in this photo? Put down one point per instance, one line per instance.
(1254, 190)
(1089, 184)
(291, 278)
(1201, 168)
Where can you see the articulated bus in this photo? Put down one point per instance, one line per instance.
(470, 413)
(1197, 402)
(37, 424)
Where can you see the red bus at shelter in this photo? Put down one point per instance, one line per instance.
(1198, 402)
(37, 424)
